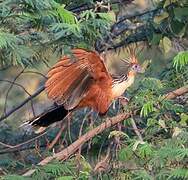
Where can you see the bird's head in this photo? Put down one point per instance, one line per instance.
(132, 61)
(136, 68)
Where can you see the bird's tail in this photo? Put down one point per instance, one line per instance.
(41, 122)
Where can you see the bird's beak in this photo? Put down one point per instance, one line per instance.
(140, 70)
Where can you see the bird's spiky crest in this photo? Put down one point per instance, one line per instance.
(133, 50)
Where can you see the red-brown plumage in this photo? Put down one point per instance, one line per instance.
(67, 72)
(82, 80)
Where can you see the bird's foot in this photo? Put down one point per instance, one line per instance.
(123, 100)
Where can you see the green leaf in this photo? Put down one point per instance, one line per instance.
(125, 154)
(8, 40)
(176, 131)
(142, 175)
(151, 122)
(184, 119)
(161, 17)
(65, 15)
(14, 177)
(152, 83)
(109, 16)
(180, 12)
(65, 178)
(88, 14)
(86, 167)
(147, 108)
(165, 44)
(145, 150)
(156, 39)
(135, 145)
(178, 27)
(168, 2)
(117, 134)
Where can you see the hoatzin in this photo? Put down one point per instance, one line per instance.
(83, 81)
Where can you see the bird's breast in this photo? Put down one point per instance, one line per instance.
(119, 88)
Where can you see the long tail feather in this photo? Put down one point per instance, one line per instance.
(40, 123)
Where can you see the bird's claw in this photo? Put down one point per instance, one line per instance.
(123, 100)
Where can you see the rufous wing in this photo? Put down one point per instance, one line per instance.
(73, 79)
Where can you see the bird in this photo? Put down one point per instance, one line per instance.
(82, 80)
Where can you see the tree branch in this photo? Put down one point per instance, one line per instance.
(177, 92)
(85, 6)
(64, 154)
(136, 37)
(57, 137)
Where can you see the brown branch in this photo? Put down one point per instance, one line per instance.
(135, 128)
(177, 92)
(64, 154)
(13, 148)
(51, 145)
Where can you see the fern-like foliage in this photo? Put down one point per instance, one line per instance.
(33, 28)
(15, 177)
(181, 60)
(55, 169)
(179, 173)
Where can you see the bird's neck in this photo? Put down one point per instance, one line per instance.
(121, 83)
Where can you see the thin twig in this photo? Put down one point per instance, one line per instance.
(23, 88)
(133, 38)
(81, 128)
(17, 84)
(137, 132)
(37, 73)
(52, 144)
(9, 89)
(22, 104)
(11, 148)
(123, 18)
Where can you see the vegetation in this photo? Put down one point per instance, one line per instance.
(151, 143)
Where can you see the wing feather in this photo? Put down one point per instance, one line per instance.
(78, 93)
(83, 76)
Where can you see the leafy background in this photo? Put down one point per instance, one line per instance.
(152, 144)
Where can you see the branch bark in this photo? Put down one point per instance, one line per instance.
(64, 154)
(177, 92)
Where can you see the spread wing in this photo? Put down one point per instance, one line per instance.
(70, 80)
